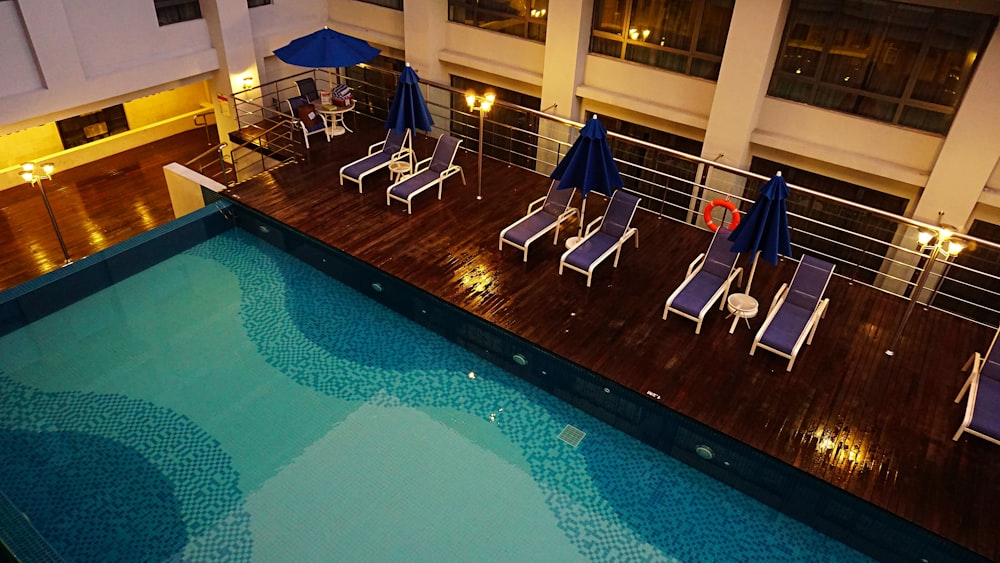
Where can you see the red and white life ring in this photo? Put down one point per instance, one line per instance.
(721, 203)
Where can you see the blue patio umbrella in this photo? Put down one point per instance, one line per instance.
(326, 48)
(589, 165)
(408, 110)
(763, 232)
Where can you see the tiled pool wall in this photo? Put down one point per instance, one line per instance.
(828, 509)
(851, 520)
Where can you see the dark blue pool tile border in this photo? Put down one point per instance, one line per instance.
(847, 518)
(47, 294)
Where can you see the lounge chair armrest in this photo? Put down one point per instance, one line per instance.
(372, 149)
(570, 211)
(694, 263)
(779, 297)
(592, 224)
(401, 155)
(535, 205)
(422, 165)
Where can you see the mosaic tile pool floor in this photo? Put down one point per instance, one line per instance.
(233, 404)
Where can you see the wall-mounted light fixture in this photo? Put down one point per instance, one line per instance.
(30, 173)
(247, 82)
(482, 104)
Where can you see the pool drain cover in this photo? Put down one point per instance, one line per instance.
(572, 435)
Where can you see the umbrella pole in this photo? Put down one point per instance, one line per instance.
(753, 268)
(573, 241)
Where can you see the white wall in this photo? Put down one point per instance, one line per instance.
(91, 58)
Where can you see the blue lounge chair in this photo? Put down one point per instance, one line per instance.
(428, 173)
(395, 147)
(544, 214)
(708, 278)
(311, 121)
(604, 235)
(796, 310)
(307, 89)
(982, 412)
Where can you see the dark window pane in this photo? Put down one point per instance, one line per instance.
(394, 4)
(609, 16)
(715, 26)
(908, 54)
(705, 69)
(934, 121)
(665, 34)
(604, 46)
(791, 89)
(667, 24)
(520, 18)
(830, 98)
(175, 11)
(655, 57)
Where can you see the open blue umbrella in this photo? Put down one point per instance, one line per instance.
(589, 165)
(764, 230)
(326, 48)
(408, 110)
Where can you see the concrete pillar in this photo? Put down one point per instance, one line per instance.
(424, 39)
(971, 150)
(229, 27)
(567, 41)
(751, 47)
(48, 30)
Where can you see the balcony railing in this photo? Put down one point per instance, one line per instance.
(869, 246)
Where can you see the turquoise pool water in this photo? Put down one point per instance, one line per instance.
(232, 403)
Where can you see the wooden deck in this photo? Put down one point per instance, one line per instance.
(878, 427)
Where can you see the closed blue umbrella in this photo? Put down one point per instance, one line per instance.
(408, 110)
(764, 230)
(589, 165)
(326, 48)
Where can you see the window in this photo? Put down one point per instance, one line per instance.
(394, 4)
(256, 3)
(524, 18)
(175, 11)
(89, 127)
(685, 36)
(898, 63)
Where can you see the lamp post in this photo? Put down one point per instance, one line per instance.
(29, 172)
(482, 104)
(939, 242)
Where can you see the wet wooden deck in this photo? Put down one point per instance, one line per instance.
(876, 426)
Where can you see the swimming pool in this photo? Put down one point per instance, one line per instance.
(233, 403)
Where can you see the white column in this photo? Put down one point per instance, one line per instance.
(751, 47)
(424, 36)
(567, 41)
(49, 32)
(229, 27)
(971, 150)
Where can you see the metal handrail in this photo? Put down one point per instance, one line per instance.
(893, 261)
